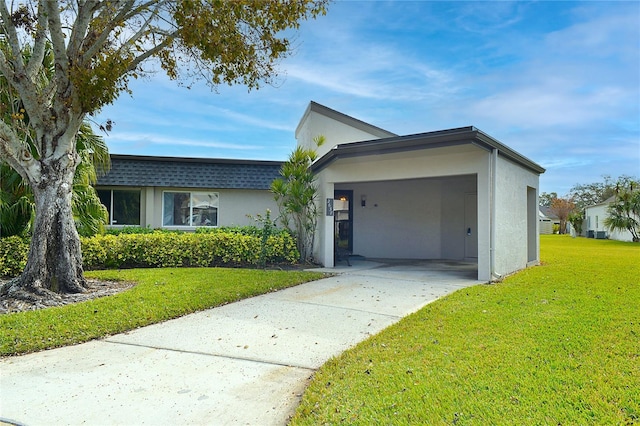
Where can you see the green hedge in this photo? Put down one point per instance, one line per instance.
(162, 249)
(13, 255)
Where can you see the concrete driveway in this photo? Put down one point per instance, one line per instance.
(243, 363)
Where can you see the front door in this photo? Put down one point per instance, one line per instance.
(470, 225)
(344, 220)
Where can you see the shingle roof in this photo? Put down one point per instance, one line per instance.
(132, 170)
(546, 210)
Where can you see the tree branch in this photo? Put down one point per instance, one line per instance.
(14, 152)
(149, 53)
(126, 12)
(40, 41)
(79, 30)
(133, 39)
(104, 35)
(13, 68)
(12, 37)
(57, 40)
(5, 68)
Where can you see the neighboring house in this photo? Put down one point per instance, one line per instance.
(451, 194)
(594, 226)
(184, 193)
(547, 220)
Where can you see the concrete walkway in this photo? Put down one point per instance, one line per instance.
(245, 363)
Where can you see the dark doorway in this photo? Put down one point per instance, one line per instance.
(344, 220)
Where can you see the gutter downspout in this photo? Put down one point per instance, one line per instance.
(493, 219)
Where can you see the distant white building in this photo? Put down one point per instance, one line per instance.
(594, 223)
(547, 220)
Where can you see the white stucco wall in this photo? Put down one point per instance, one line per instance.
(411, 219)
(401, 219)
(233, 205)
(513, 217)
(594, 217)
(335, 132)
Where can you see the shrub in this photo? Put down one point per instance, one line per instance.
(13, 255)
(137, 230)
(252, 231)
(165, 249)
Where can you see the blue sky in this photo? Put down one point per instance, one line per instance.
(558, 82)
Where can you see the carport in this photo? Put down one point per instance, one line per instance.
(456, 194)
(411, 204)
(426, 218)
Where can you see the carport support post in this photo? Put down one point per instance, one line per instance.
(485, 224)
(326, 227)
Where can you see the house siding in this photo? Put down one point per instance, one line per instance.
(235, 208)
(336, 127)
(243, 186)
(513, 234)
(591, 224)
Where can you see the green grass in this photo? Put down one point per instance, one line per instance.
(554, 344)
(160, 294)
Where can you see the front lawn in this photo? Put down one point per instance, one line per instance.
(554, 344)
(160, 294)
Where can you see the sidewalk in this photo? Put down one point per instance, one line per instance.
(243, 363)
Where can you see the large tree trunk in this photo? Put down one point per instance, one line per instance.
(54, 264)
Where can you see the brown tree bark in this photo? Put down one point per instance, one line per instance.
(54, 264)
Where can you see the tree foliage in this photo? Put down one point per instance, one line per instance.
(562, 207)
(623, 214)
(96, 47)
(576, 219)
(545, 198)
(295, 193)
(589, 194)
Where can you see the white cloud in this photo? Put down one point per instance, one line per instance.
(145, 139)
(382, 76)
(547, 105)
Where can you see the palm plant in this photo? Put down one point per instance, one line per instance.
(16, 203)
(89, 214)
(296, 192)
(624, 212)
(16, 200)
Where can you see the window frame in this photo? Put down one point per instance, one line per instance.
(191, 208)
(110, 209)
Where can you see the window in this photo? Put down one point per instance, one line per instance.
(190, 209)
(123, 206)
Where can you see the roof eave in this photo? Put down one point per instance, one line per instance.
(194, 160)
(343, 118)
(438, 139)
